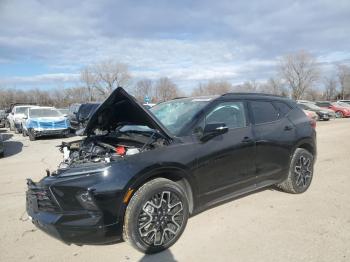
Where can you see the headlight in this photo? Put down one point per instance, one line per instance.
(86, 200)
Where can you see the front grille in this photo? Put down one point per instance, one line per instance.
(44, 199)
(58, 124)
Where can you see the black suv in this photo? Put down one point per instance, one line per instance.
(79, 114)
(139, 174)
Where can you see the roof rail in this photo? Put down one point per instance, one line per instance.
(253, 94)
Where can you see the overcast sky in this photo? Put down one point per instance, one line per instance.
(46, 43)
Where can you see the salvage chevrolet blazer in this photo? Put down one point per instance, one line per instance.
(139, 174)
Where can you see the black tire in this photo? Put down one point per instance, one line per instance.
(339, 114)
(145, 212)
(300, 172)
(31, 135)
(24, 133)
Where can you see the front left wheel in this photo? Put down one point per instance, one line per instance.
(156, 216)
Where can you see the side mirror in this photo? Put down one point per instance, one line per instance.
(25, 117)
(213, 130)
(12, 113)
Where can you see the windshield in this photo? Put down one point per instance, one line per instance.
(175, 114)
(44, 112)
(63, 111)
(22, 109)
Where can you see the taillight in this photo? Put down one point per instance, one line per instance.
(313, 123)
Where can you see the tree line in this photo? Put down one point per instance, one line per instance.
(298, 76)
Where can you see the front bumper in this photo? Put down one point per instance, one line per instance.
(78, 227)
(323, 116)
(50, 132)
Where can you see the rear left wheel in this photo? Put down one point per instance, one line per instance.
(300, 172)
(156, 216)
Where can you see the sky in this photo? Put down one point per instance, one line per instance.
(45, 44)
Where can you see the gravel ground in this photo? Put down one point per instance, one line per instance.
(264, 226)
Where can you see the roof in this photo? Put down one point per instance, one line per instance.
(243, 95)
(240, 95)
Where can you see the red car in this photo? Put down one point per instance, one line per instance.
(340, 111)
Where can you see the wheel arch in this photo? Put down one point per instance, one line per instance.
(176, 175)
(307, 144)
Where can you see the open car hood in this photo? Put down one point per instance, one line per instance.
(120, 108)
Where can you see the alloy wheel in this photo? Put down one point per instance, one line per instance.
(303, 172)
(161, 218)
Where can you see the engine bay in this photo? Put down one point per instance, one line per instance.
(107, 148)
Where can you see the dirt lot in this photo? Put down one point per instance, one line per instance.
(264, 226)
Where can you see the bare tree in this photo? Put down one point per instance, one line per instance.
(144, 88)
(212, 88)
(108, 75)
(165, 89)
(330, 91)
(312, 94)
(344, 80)
(300, 71)
(248, 86)
(88, 77)
(274, 86)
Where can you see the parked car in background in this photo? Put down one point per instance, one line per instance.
(63, 111)
(139, 174)
(340, 111)
(72, 114)
(2, 118)
(321, 113)
(344, 101)
(339, 103)
(83, 114)
(312, 103)
(45, 121)
(15, 118)
(2, 147)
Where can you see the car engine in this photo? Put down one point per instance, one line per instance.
(104, 149)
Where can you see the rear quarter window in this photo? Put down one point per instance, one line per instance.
(263, 112)
(283, 108)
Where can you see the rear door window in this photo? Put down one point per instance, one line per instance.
(263, 112)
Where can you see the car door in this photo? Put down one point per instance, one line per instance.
(275, 135)
(225, 163)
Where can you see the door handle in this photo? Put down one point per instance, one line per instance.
(246, 139)
(288, 128)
